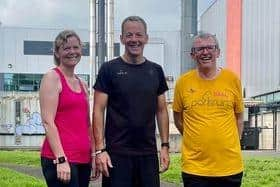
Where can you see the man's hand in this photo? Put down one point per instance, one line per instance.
(103, 160)
(164, 159)
(95, 173)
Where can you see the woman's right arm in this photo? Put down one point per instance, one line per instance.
(48, 95)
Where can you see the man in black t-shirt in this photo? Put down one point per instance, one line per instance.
(131, 89)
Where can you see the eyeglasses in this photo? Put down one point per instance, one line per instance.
(209, 48)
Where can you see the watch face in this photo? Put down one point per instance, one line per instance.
(61, 160)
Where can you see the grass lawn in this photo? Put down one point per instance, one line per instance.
(260, 171)
(10, 178)
(29, 158)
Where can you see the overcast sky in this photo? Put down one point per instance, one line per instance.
(159, 14)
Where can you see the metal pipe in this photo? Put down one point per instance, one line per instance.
(188, 30)
(110, 29)
(92, 45)
(101, 33)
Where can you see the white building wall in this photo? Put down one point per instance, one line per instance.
(1, 49)
(260, 67)
(260, 46)
(12, 50)
(163, 48)
(213, 20)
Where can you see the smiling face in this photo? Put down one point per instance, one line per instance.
(134, 38)
(205, 52)
(70, 52)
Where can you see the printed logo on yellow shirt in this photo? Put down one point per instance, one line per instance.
(219, 93)
(210, 99)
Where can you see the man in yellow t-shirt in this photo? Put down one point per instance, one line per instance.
(208, 112)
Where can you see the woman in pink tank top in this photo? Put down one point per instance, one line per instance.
(66, 151)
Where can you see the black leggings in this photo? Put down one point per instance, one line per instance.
(80, 174)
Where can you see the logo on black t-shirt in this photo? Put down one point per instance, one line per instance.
(122, 72)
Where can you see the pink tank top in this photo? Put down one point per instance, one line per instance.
(72, 123)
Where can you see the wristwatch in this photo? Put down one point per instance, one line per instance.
(60, 160)
(165, 144)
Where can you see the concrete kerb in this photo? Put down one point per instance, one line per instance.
(37, 173)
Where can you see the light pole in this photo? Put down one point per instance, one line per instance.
(110, 29)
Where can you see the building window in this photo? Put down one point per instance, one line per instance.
(84, 77)
(277, 96)
(37, 48)
(25, 82)
(21, 82)
(270, 98)
(263, 98)
(46, 48)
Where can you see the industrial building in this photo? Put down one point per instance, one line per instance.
(26, 54)
(249, 36)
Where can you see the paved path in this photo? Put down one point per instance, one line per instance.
(270, 153)
(36, 172)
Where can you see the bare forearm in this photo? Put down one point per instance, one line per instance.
(90, 129)
(54, 139)
(98, 129)
(178, 120)
(163, 125)
(162, 119)
(240, 129)
(240, 125)
(100, 104)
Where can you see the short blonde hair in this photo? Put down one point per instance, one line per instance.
(60, 40)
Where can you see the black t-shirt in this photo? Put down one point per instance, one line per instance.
(132, 91)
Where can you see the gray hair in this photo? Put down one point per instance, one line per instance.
(60, 40)
(205, 35)
(137, 19)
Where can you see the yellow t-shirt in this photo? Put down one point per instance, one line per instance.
(210, 143)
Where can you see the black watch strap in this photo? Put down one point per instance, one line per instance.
(60, 160)
(165, 144)
(97, 152)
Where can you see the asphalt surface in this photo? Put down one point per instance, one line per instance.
(271, 153)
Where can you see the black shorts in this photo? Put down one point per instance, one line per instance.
(204, 181)
(133, 171)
